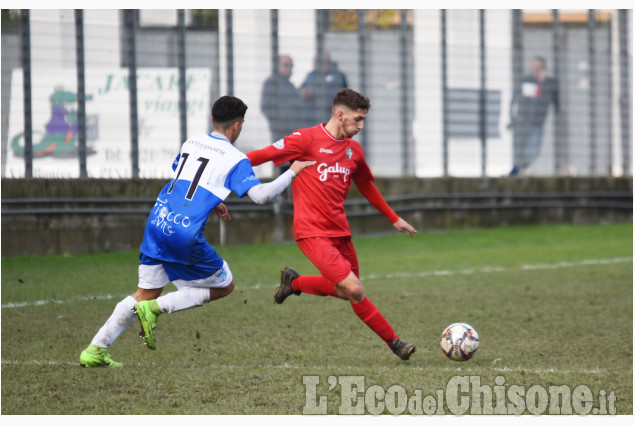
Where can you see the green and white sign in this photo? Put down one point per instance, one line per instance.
(108, 145)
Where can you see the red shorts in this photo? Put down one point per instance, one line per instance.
(335, 258)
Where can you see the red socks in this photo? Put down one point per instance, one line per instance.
(365, 310)
(315, 285)
(369, 314)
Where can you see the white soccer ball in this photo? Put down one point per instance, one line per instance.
(459, 341)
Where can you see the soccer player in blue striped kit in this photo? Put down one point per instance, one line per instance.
(207, 169)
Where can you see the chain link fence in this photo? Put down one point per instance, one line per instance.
(465, 93)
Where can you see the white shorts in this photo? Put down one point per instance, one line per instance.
(155, 277)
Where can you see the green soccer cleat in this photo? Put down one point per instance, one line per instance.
(95, 356)
(148, 320)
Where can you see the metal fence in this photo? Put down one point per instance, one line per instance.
(467, 93)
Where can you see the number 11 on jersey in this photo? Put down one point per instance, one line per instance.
(197, 177)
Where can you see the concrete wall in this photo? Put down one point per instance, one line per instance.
(446, 204)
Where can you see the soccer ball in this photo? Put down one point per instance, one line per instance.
(459, 341)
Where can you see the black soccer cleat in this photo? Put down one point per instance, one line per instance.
(284, 290)
(402, 349)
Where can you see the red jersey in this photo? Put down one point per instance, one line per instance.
(319, 192)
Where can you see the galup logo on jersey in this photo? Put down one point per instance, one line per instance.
(325, 169)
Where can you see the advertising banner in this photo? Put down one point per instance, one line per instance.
(108, 141)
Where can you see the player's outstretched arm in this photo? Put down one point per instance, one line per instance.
(258, 156)
(370, 192)
(368, 189)
(265, 192)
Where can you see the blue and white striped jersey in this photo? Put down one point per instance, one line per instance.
(206, 171)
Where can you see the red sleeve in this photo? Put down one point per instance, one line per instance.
(284, 150)
(370, 192)
(258, 157)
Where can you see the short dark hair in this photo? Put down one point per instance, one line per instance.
(352, 99)
(227, 110)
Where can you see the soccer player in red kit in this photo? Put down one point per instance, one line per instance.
(321, 228)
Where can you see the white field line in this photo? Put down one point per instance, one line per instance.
(487, 269)
(490, 269)
(458, 370)
(66, 301)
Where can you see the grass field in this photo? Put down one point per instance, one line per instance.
(553, 306)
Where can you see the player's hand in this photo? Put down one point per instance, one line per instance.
(221, 212)
(403, 226)
(298, 166)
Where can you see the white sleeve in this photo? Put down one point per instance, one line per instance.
(265, 192)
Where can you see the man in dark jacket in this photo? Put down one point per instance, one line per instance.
(280, 101)
(529, 111)
(317, 108)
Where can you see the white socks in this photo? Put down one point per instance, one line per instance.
(119, 320)
(123, 316)
(183, 299)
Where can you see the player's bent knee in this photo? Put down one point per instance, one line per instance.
(358, 294)
(354, 293)
(351, 288)
(142, 294)
(229, 288)
(217, 293)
